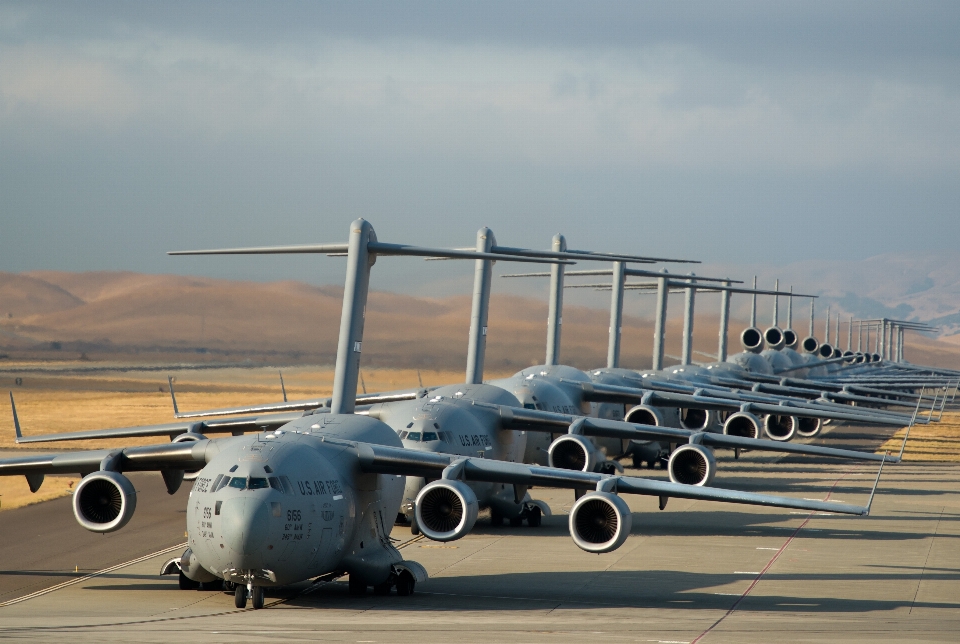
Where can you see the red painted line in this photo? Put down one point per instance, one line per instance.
(776, 556)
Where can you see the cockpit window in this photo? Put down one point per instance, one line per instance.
(529, 406)
(430, 436)
(403, 434)
(413, 436)
(257, 483)
(220, 483)
(287, 485)
(238, 482)
(275, 483)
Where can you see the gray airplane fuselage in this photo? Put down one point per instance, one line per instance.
(287, 506)
(447, 421)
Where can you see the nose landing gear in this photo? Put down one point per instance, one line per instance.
(255, 593)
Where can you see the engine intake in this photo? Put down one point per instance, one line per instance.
(692, 465)
(446, 510)
(825, 350)
(808, 427)
(752, 340)
(571, 452)
(695, 419)
(104, 501)
(644, 415)
(742, 424)
(779, 428)
(600, 522)
(810, 344)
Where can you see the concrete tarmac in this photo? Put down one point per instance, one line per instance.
(696, 572)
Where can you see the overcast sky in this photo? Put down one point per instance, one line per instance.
(767, 131)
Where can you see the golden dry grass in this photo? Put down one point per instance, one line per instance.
(934, 442)
(14, 492)
(49, 404)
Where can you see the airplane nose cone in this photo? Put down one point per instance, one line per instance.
(245, 525)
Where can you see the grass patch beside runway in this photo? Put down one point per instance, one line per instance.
(933, 442)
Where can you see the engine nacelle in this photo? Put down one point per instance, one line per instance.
(790, 338)
(645, 415)
(779, 427)
(752, 340)
(600, 522)
(446, 510)
(696, 419)
(825, 351)
(837, 353)
(743, 424)
(810, 344)
(876, 357)
(189, 437)
(773, 337)
(692, 465)
(104, 501)
(572, 452)
(808, 427)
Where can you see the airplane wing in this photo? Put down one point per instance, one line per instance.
(545, 421)
(708, 399)
(184, 456)
(233, 426)
(391, 460)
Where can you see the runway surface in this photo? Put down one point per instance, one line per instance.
(694, 572)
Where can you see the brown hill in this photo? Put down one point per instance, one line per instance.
(162, 318)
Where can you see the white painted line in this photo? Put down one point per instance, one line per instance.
(39, 593)
(768, 548)
(747, 572)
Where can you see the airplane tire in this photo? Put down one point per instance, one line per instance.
(240, 596)
(257, 597)
(405, 584)
(534, 517)
(229, 586)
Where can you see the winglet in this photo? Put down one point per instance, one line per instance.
(874, 490)
(16, 419)
(283, 388)
(173, 397)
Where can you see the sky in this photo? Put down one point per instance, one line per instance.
(753, 132)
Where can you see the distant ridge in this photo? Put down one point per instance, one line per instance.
(171, 318)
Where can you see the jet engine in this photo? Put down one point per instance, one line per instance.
(600, 522)
(810, 344)
(790, 338)
(696, 419)
(779, 428)
(825, 351)
(104, 501)
(189, 437)
(645, 415)
(571, 452)
(773, 337)
(752, 340)
(692, 465)
(446, 510)
(808, 427)
(742, 424)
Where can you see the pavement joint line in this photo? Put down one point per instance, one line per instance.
(925, 560)
(769, 565)
(78, 580)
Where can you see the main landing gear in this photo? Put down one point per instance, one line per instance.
(403, 582)
(255, 594)
(532, 514)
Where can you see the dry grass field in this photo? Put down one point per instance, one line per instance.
(934, 442)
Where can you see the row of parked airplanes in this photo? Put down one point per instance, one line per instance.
(313, 488)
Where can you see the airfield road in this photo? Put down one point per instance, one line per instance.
(720, 573)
